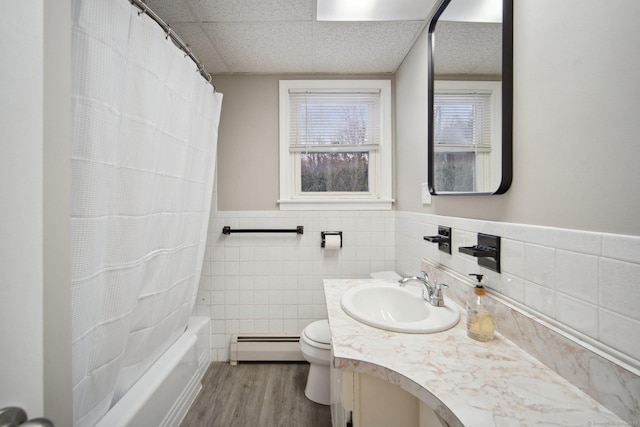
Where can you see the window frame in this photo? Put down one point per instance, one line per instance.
(380, 160)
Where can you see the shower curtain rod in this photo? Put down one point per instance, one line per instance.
(140, 4)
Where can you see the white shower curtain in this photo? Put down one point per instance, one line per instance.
(144, 145)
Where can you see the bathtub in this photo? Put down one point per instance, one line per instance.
(163, 395)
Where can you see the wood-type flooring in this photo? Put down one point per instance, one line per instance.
(256, 395)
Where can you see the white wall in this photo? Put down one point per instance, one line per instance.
(21, 104)
(35, 364)
(247, 167)
(57, 121)
(569, 223)
(271, 283)
(576, 104)
(247, 172)
(411, 127)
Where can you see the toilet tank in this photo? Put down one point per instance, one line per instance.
(388, 275)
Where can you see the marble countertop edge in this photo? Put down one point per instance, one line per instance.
(467, 383)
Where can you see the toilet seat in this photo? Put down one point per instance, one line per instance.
(317, 334)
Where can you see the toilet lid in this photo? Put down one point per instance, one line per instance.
(318, 331)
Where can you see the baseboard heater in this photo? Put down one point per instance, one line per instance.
(264, 348)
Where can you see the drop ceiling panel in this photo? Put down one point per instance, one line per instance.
(263, 47)
(282, 36)
(468, 48)
(172, 11)
(253, 10)
(194, 36)
(362, 47)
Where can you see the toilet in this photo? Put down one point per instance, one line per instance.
(388, 275)
(315, 345)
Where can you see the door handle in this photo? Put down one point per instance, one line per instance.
(13, 416)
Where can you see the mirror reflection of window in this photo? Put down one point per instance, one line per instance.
(466, 119)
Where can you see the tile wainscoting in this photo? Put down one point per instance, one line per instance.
(584, 282)
(272, 283)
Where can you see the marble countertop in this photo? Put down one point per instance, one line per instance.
(468, 383)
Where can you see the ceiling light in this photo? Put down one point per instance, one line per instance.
(373, 10)
(473, 11)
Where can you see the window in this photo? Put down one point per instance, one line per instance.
(466, 119)
(335, 144)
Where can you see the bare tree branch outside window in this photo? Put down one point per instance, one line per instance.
(339, 171)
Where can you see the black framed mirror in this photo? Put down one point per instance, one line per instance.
(470, 97)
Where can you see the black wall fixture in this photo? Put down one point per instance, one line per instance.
(487, 251)
(228, 230)
(443, 239)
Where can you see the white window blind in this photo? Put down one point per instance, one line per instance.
(462, 119)
(334, 121)
(335, 144)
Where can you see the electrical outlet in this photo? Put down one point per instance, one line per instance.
(426, 195)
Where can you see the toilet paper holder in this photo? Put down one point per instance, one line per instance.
(323, 234)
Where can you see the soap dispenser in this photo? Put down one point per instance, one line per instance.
(479, 318)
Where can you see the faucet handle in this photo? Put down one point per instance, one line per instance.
(440, 287)
(438, 299)
(425, 275)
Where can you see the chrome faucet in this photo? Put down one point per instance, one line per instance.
(431, 294)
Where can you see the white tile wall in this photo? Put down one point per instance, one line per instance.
(272, 283)
(587, 283)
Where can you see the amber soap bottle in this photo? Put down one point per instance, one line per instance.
(479, 318)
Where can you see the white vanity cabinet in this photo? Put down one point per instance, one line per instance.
(360, 400)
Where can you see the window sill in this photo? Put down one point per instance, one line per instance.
(336, 205)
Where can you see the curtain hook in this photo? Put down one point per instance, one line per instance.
(168, 34)
(187, 50)
(143, 10)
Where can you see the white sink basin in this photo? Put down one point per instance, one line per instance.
(393, 308)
